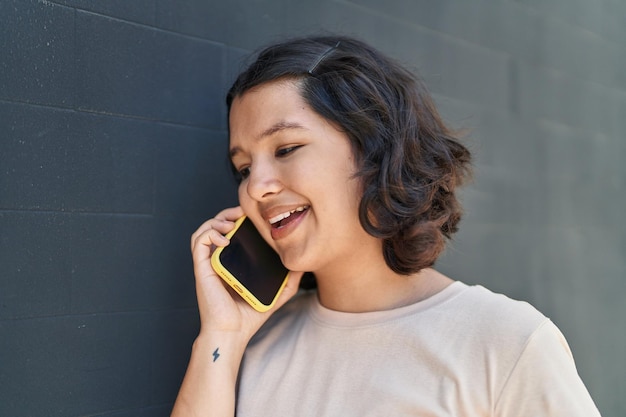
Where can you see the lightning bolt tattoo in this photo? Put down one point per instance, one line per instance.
(216, 354)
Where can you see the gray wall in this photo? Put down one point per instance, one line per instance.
(112, 142)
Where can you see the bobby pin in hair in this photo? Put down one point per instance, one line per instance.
(321, 58)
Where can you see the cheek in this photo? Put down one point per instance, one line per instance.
(241, 192)
(338, 180)
(249, 208)
(244, 199)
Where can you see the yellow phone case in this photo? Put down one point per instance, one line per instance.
(234, 282)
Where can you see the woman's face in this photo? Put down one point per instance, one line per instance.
(297, 169)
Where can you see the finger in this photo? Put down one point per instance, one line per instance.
(205, 244)
(221, 225)
(231, 213)
(223, 222)
(201, 236)
(215, 229)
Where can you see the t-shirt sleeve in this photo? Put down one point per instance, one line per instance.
(544, 382)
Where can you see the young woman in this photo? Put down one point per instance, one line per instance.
(348, 171)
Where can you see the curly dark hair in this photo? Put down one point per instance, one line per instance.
(410, 163)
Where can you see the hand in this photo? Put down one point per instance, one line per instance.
(221, 308)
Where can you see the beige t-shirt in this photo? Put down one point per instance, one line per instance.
(463, 352)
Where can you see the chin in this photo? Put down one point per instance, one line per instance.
(294, 266)
(296, 263)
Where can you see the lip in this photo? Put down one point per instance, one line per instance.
(284, 231)
(269, 212)
(287, 214)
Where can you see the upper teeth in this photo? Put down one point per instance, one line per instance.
(281, 216)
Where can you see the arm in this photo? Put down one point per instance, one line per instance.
(209, 384)
(227, 325)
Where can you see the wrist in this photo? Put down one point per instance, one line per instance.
(220, 346)
(211, 377)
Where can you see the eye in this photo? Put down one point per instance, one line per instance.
(287, 150)
(243, 173)
(240, 173)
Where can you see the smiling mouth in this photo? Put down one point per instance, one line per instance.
(287, 217)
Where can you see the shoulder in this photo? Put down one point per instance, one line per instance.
(526, 360)
(490, 313)
(488, 302)
(488, 330)
(546, 372)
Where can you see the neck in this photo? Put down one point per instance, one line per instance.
(372, 286)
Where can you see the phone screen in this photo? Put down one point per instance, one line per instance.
(254, 263)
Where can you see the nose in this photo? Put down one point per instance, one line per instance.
(264, 180)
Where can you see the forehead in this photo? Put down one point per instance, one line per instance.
(270, 109)
(264, 105)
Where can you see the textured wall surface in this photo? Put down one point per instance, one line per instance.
(112, 151)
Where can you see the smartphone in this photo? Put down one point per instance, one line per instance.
(250, 266)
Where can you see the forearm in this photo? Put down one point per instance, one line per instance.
(208, 388)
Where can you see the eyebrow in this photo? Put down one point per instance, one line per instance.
(272, 130)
